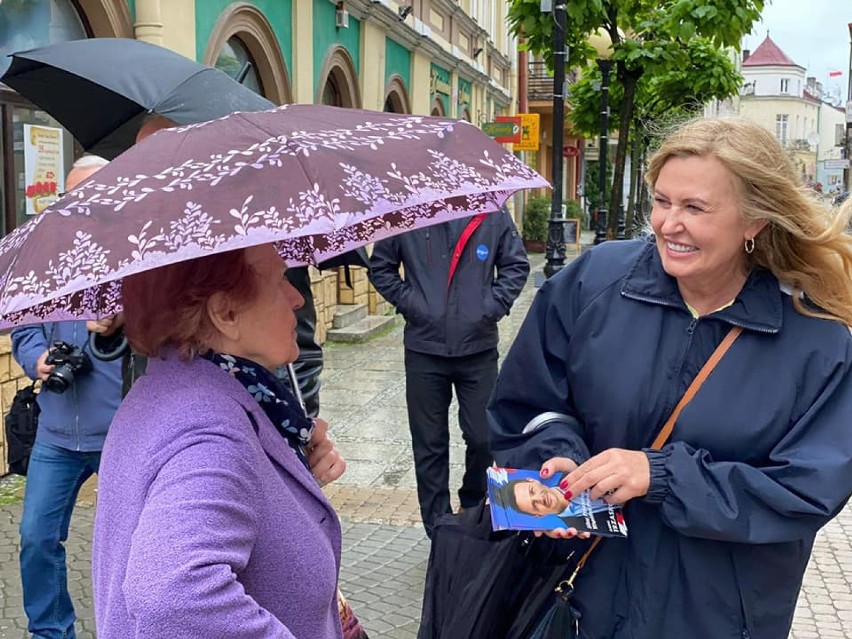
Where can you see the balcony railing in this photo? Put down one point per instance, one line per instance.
(540, 82)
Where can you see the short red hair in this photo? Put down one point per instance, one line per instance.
(166, 307)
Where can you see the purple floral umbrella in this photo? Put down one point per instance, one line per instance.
(317, 181)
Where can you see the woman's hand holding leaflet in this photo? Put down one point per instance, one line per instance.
(616, 474)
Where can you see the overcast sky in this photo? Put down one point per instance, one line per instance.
(813, 33)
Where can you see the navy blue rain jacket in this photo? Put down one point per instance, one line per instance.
(77, 419)
(758, 462)
(461, 320)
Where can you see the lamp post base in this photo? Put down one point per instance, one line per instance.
(620, 233)
(555, 251)
(600, 228)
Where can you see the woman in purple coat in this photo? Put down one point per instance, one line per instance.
(210, 518)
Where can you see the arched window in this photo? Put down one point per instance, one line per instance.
(236, 60)
(242, 38)
(438, 108)
(36, 23)
(340, 87)
(331, 95)
(396, 97)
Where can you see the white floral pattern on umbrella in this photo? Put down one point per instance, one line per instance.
(317, 181)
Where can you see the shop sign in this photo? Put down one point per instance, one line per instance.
(439, 81)
(529, 133)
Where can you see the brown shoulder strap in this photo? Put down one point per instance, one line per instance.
(666, 431)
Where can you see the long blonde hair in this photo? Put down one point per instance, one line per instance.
(805, 244)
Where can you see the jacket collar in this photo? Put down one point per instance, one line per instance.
(221, 384)
(758, 306)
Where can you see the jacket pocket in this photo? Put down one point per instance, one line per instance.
(768, 578)
(744, 604)
(412, 307)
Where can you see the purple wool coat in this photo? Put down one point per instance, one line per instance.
(207, 525)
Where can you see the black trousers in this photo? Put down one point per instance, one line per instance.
(429, 384)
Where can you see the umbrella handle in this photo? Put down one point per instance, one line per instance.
(294, 385)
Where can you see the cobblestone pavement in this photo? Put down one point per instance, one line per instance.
(384, 548)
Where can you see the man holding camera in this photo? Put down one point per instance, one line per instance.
(78, 398)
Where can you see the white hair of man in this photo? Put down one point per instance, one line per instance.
(89, 161)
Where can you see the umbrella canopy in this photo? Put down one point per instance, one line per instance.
(100, 88)
(317, 180)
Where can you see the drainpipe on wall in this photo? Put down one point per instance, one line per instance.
(149, 22)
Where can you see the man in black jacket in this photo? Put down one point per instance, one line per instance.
(461, 278)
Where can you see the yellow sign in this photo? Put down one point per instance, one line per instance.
(529, 133)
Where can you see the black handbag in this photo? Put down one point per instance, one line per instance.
(21, 425)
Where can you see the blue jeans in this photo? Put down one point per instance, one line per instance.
(54, 478)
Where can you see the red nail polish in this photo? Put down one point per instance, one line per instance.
(569, 494)
(563, 484)
(545, 472)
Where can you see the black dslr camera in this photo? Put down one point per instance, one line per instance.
(70, 361)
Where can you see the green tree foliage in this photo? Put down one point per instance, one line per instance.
(668, 55)
(536, 214)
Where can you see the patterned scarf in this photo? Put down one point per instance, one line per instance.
(277, 401)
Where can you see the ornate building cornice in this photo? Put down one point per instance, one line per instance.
(416, 37)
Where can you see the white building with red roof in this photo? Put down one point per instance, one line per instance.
(778, 94)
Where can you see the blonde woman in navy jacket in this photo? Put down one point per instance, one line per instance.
(722, 520)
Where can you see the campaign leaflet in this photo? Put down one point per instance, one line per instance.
(523, 500)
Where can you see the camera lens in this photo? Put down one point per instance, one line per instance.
(60, 379)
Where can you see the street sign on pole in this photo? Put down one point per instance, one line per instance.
(837, 164)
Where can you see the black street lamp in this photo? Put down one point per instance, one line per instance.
(555, 249)
(602, 43)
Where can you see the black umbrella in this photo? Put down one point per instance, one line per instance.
(479, 582)
(100, 89)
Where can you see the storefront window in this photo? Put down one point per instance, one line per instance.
(233, 60)
(42, 154)
(28, 24)
(35, 152)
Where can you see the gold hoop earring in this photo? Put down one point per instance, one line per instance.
(749, 245)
